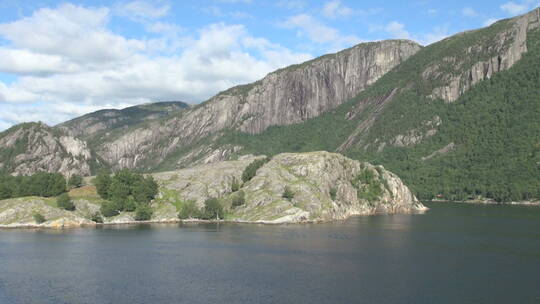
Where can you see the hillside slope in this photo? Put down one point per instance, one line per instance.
(459, 119)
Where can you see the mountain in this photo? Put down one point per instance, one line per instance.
(287, 96)
(458, 119)
(31, 147)
(87, 126)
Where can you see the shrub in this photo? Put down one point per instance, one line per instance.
(239, 199)
(333, 193)
(64, 201)
(212, 209)
(143, 212)
(109, 209)
(288, 193)
(189, 210)
(129, 204)
(103, 183)
(235, 185)
(251, 170)
(75, 181)
(97, 218)
(39, 218)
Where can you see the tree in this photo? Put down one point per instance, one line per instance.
(239, 199)
(288, 193)
(108, 209)
(39, 218)
(5, 191)
(235, 186)
(143, 212)
(189, 210)
(75, 181)
(64, 201)
(213, 209)
(144, 189)
(103, 183)
(251, 170)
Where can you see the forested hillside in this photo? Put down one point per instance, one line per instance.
(486, 143)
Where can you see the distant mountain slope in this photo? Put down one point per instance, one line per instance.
(460, 118)
(287, 96)
(31, 147)
(90, 124)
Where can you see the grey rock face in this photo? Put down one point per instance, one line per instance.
(287, 96)
(508, 46)
(37, 147)
(311, 177)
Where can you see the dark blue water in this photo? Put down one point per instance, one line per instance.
(453, 254)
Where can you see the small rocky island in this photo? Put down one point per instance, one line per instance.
(288, 188)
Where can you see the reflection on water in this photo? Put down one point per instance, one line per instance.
(452, 254)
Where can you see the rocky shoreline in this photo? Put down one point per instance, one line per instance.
(489, 202)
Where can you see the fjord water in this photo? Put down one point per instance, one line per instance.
(455, 253)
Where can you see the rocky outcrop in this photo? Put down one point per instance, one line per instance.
(34, 147)
(326, 186)
(504, 50)
(287, 96)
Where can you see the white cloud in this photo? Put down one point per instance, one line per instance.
(490, 21)
(469, 12)
(142, 10)
(335, 8)
(75, 32)
(292, 4)
(69, 63)
(318, 32)
(397, 30)
(513, 8)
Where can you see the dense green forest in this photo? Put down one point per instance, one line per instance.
(39, 184)
(126, 191)
(494, 128)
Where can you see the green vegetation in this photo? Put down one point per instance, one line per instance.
(64, 201)
(143, 213)
(189, 210)
(239, 199)
(96, 217)
(368, 187)
(493, 126)
(75, 181)
(126, 191)
(39, 218)
(39, 184)
(212, 209)
(251, 170)
(333, 193)
(235, 186)
(288, 193)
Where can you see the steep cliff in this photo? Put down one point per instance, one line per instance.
(33, 147)
(287, 96)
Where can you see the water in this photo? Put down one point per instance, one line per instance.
(453, 254)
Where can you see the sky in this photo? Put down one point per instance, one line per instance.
(59, 59)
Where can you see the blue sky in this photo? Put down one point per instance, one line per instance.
(61, 59)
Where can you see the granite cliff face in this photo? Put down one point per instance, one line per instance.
(287, 96)
(34, 147)
(499, 52)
